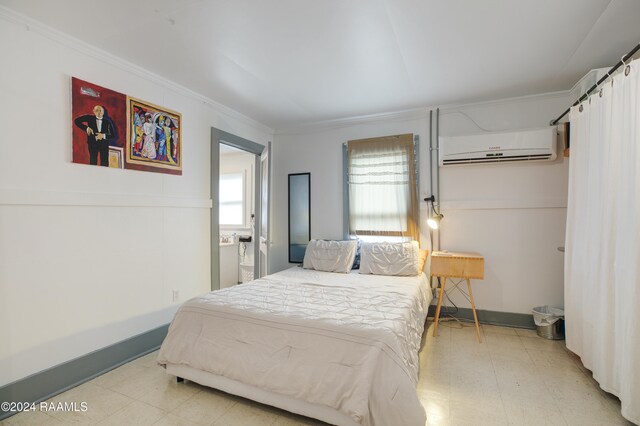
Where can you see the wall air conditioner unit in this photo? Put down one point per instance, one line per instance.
(499, 147)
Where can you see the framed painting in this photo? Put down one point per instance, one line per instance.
(99, 120)
(154, 138)
(116, 159)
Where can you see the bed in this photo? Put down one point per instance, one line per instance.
(338, 347)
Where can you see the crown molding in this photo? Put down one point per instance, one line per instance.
(87, 49)
(321, 126)
(503, 101)
(410, 114)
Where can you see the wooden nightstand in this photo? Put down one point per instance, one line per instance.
(456, 265)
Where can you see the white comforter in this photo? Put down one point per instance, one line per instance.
(346, 341)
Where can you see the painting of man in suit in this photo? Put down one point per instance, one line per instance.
(99, 118)
(101, 132)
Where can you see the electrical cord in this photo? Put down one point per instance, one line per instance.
(242, 251)
(450, 315)
(469, 117)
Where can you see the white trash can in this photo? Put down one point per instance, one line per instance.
(246, 272)
(549, 322)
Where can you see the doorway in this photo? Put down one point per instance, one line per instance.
(236, 198)
(240, 187)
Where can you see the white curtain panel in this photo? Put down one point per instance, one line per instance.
(379, 193)
(602, 259)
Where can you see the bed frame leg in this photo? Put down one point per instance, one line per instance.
(179, 379)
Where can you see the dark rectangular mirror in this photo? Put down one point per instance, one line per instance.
(299, 215)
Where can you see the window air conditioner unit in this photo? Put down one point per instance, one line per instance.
(499, 147)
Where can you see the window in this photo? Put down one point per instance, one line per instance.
(382, 188)
(232, 199)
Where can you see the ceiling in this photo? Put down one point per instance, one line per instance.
(287, 62)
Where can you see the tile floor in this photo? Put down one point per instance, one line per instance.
(512, 378)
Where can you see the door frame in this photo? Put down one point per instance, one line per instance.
(265, 234)
(221, 137)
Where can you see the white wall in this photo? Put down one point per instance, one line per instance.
(513, 214)
(318, 150)
(89, 255)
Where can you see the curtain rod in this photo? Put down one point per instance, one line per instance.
(598, 83)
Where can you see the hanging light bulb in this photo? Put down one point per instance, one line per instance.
(434, 222)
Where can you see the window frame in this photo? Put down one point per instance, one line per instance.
(243, 201)
(345, 193)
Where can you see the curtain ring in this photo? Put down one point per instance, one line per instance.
(581, 108)
(627, 70)
(600, 93)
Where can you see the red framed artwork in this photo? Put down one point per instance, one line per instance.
(99, 122)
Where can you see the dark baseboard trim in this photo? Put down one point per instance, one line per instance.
(508, 319)
(52, 381)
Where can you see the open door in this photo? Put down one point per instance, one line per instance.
(265, 186)
(220, 137)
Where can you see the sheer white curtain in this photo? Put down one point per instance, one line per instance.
(383, 187)
(602, 259)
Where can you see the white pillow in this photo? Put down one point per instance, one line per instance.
(330, 256)
(390, 258)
